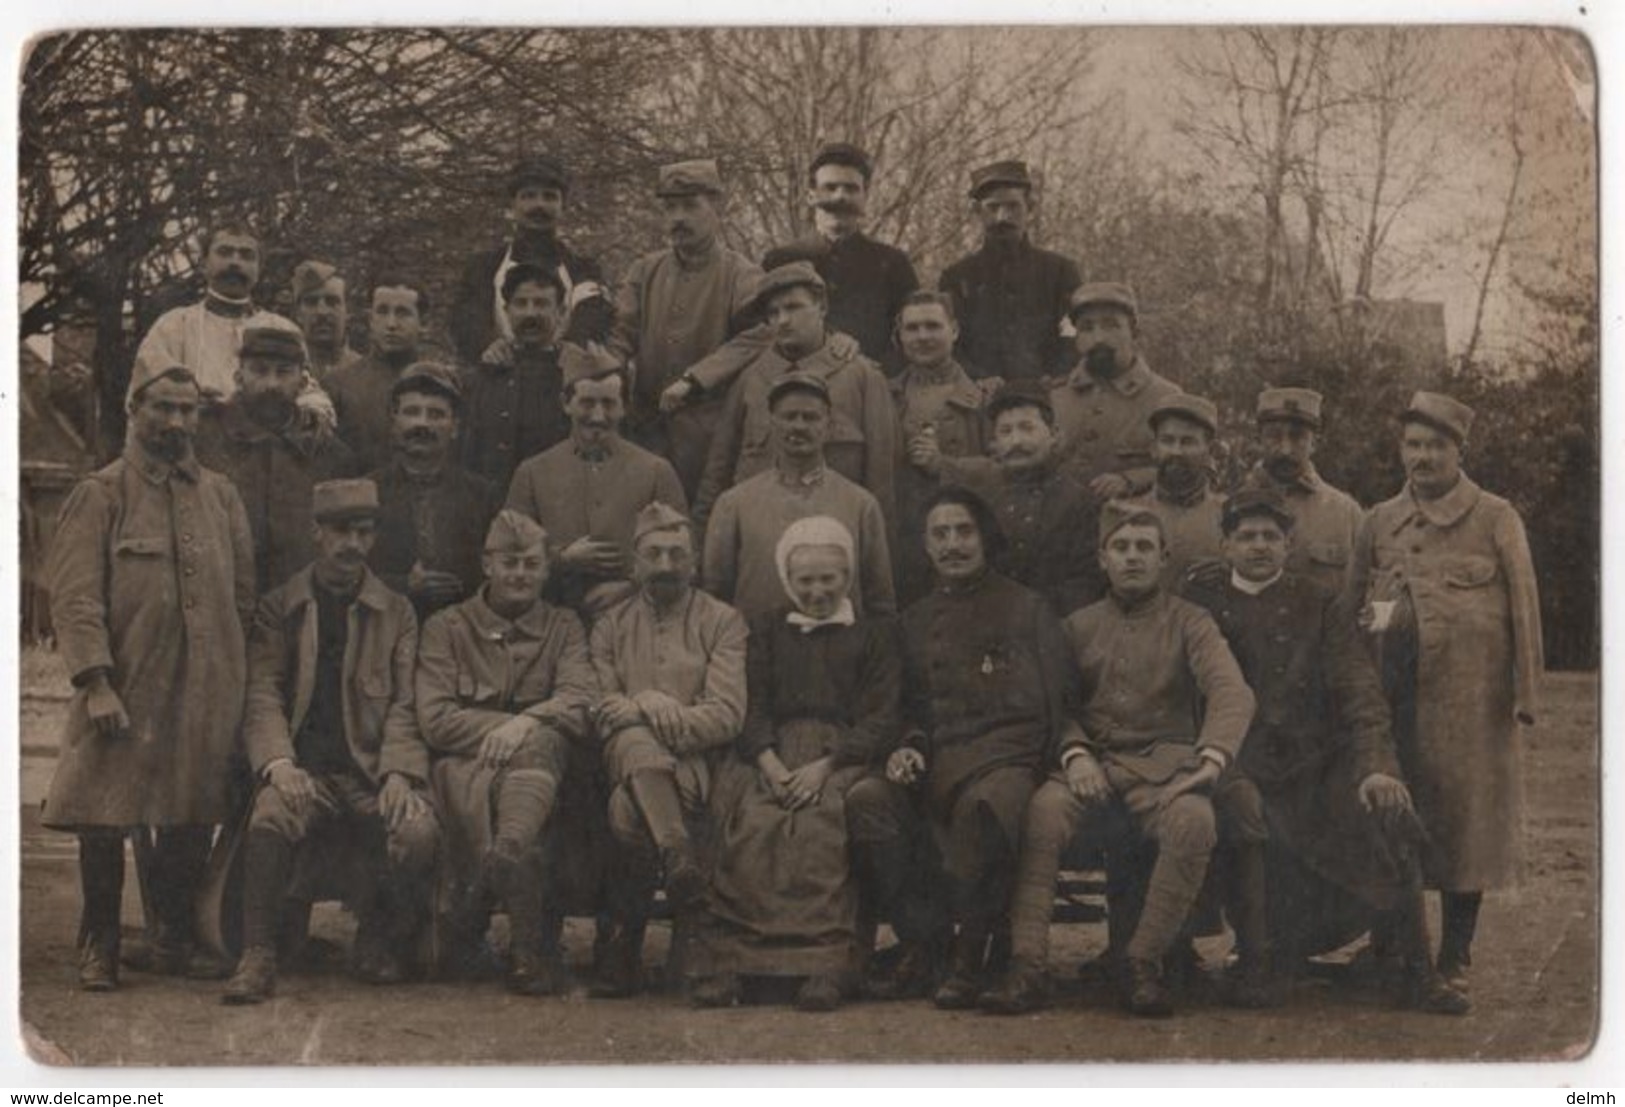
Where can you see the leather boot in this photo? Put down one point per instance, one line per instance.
(1144, 992)
(1021, 990)
(965, 964)
(531, 972)
(620, 973)
(98, 963)
(255, 978)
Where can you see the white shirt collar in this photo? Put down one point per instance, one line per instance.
(1251, 587)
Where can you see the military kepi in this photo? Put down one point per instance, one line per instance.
(689, 178)
(1298, 405)
(658, 516)
(429, 376)
(275, 342)
(1186, 406)
(334, 501)
(1103, 294)
(1001, 174)
(541, 171)
(1260, 500)
(513, 532)
(1440, 412)
(797, 382)
(795, 274)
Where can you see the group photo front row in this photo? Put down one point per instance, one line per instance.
(678, 603)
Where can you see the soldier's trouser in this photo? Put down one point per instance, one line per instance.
(1243, 831)
(523, 792)
(655, 794)
(899, 867)
(1054, 817)
(101, 885)
(399, 860)
(1184, 834)
(682, 437)
(180, 855)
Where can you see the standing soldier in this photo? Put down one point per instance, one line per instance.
(511, 405)
(152, 582)
(504, 685)
(431, 511)
(675, 307)
(985, 703)
(587, 490)
(1327, 520)
(861, 428)
(331, 732)
(1104, 406)
(1183, 496)
(1444, 573)
(362, 391)
(1011, 295)
(323, 314)
(205, 337)
(670, 661)
(272, 456)
(867, 280)
(743, 535)
(939, 415)
(538, 189)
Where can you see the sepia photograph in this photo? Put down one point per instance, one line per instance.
(865, 545)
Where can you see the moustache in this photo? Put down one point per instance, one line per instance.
(1101, 361)
(530, 326)
(840, 207)
(422, 434)
(1283, 468)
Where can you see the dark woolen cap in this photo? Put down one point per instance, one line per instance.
(1020, 394)
(794, 274)
(543, 170)
(429, 376)
(1255, 500)
(333, 501)
(798, 382)
(1001, 174)
(277, 342)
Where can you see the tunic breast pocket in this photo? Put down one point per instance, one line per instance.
(473, 692)
(152, 547)
(1468, 571)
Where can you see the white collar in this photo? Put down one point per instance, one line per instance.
(844, 616)
(1251, 587)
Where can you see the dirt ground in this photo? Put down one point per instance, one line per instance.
(1534, 983)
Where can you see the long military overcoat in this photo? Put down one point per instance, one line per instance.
(152, 578)
(1464, 561)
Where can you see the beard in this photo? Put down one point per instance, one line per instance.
(1101, 361)
(268, 409)
(1180, 475)
(168, 445)
(1284, 470)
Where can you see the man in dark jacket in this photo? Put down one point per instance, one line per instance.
(1318, 781)
(273, 451)
(511, 405)
(331, 733)
(432, 513)
(538, 189)
(985, 705)
(1012, 296)
(867, 280)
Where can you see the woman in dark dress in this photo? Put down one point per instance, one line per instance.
(823, 692)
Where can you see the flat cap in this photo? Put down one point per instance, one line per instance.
(1186, 406)
(1103, 294)
(577, 364)
(1255, 500)
(542, 170)
(794, 274)
(797, 382)
(1440, 412)
(429, 376)
(1117, 514)
(658, 516)
(513, 532)
(1019, 393)
(146, 373)
(1001, 174)
(1298, 405)
(843, 153)
(277, 342)
(309, 277)
(333, 500)
(699, 177)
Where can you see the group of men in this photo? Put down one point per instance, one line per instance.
(440, 617)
